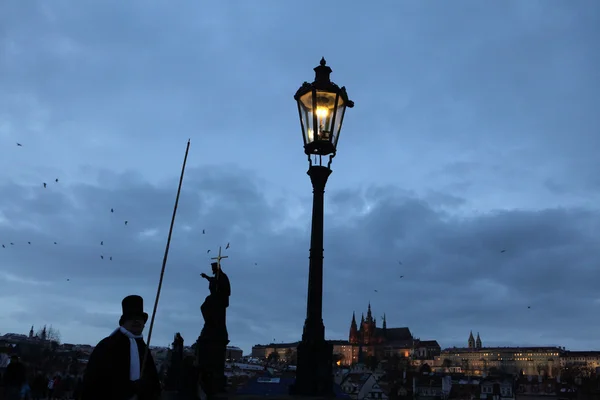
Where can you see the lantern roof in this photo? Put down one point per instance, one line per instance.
(322, 82)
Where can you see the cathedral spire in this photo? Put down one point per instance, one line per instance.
(353, 330)
(471, 341)
(478, 342)
(362, 318)
(369, 315)
(31, 332)
(384, 322)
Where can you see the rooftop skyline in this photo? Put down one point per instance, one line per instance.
(468, 166)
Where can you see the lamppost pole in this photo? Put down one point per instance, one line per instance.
(321, 107)
(314, 330)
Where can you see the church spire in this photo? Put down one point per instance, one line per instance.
(478, 342)
(353, 330)
(31, 332)
(362, 319)
(384, 323)
(471, 341)
(369, 315)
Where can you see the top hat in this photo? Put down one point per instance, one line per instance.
(133, 307)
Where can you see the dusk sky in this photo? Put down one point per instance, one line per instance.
(476, 129)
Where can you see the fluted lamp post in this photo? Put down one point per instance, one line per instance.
(322, 106)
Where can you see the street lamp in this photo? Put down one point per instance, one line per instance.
(321, 106)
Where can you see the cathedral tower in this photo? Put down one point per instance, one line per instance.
(31, 332)
(478, 342)
(353, 330)
(471, 341)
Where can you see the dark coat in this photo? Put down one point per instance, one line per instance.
(15, 375)
(107, 372)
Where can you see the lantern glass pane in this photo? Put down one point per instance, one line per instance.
(324, 113)
(339, 119)
(306, 117)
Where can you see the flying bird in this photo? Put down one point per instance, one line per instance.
(56, 180)
(44, 185)
(528, 306)
(102, 257)
(255, 263)
(376, 291)
(12, 244)
(226, 247)
(399, 262)
(401, 276)
(102, 243)
(3, 246)
(208, 252)
(68, 279)
(203, 231)
(112, 210)
(28, 242)
(54, 242)
(110, 258)
(126, 222)
(502, 251)
(19, 144)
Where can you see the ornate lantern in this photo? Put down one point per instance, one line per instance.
(321, 105)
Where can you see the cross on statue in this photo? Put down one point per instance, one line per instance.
(219, 258)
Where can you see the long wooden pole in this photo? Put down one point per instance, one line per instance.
(164, 263)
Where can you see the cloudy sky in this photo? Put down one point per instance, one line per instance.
(475, 131)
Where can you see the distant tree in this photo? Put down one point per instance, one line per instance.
(49, 334)
(466, 366)
(273, 356)
(372, 362)
(294, 358)
(425, 369)
(392, 361)
(289, 353)
(573, 373)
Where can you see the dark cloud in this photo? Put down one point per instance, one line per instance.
(475, 131)
(453, 267)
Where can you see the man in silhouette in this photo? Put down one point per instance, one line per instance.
(114, 370)
(14, 378)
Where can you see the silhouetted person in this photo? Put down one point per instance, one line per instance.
(14, 379)
(38, 386)
(114, 368)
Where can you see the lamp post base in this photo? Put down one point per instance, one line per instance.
(315, 369)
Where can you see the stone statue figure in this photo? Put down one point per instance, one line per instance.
(216, 303)
(212, 343)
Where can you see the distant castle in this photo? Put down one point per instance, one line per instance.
(370, 340)
(474, 343)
